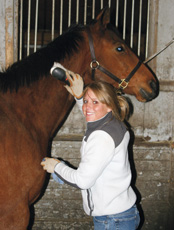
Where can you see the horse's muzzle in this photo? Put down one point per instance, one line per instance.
(148, 96)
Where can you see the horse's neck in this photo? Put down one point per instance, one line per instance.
(40, 108)
(44, 105)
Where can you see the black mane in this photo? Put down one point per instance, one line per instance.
(38, 64)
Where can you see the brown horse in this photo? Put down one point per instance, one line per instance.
(33, 105)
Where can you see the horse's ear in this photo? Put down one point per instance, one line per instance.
(104, 16)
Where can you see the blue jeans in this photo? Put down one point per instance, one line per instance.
(128, 220)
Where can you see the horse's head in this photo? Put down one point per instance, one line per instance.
(113, 61)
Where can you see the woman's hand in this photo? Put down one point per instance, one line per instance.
(76, 84)
(49, 164)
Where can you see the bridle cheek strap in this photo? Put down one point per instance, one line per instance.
(123, 83)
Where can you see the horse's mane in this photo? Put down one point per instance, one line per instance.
(38, 64)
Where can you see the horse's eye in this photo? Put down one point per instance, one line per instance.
(120, 49)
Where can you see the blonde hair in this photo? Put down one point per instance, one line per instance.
(107, 95)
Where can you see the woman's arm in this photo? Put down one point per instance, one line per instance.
(97, 154)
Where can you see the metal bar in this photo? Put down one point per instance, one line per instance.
(69, 13)
(53, 19)
(124, 20)
(147, 28)
(109, 3)
(28, 28)
(85, 12)
(20, 30)
(117, 13)
(61, 17)
(16, 30)
(132, 24)
(101, 4)
(93, 9)
(77, 11)
(36, 25)
(139, 29)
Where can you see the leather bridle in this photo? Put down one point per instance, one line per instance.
(123, 83)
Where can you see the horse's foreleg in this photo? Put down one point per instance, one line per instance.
(17, 218)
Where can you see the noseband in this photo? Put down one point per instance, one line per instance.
(123, 83)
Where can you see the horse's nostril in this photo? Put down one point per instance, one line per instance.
(155, 88)
(153, 85)
(144, 94)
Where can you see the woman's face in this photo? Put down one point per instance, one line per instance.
(92, 108)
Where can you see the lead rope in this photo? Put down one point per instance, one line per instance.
(156, 54)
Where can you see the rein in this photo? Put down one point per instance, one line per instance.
(123, 83)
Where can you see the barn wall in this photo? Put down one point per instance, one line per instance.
(154, 120)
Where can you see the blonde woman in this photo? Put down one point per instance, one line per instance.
(103, 174)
